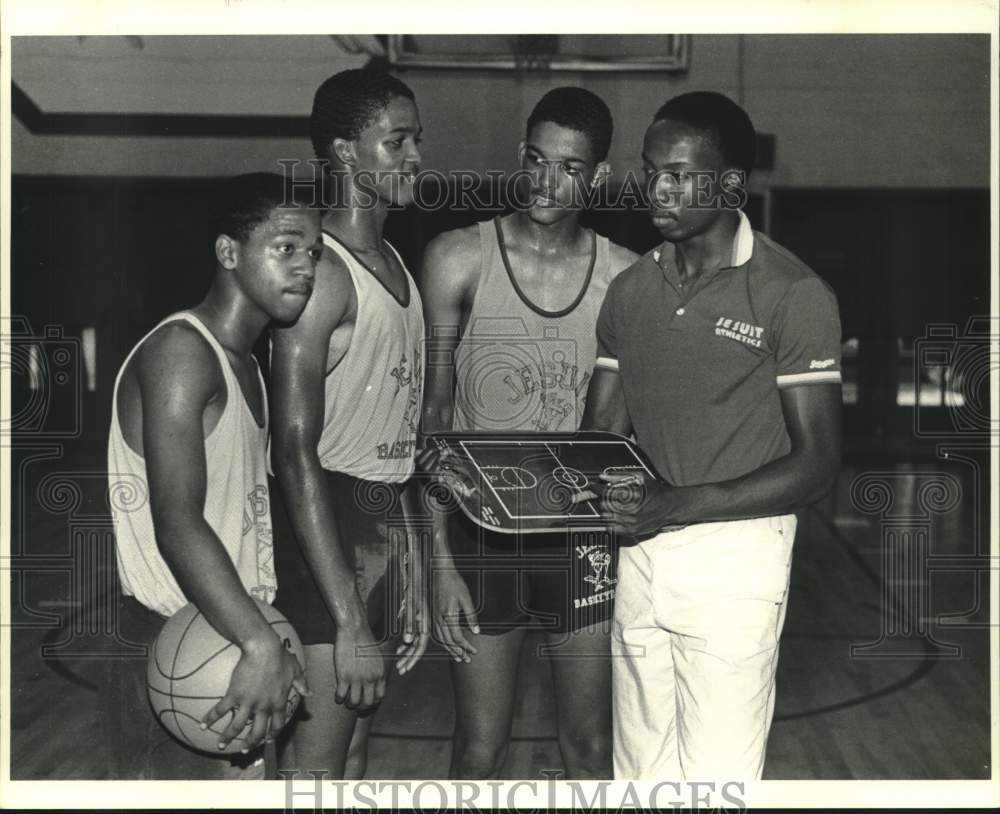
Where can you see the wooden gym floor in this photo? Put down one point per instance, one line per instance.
(911, 707)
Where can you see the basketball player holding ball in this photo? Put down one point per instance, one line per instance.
(512, 304)
(188, 435)
(347, 382)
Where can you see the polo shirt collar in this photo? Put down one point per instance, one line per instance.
(742, 243)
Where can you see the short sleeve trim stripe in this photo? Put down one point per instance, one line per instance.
(605, 363)
(819, 377)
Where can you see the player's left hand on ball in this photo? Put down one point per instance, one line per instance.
(636, 506)
(258, 693)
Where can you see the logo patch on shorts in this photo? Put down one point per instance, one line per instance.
(821, 364)
(599, 559)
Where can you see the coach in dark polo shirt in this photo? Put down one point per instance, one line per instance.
(721, 351)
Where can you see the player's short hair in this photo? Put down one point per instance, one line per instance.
(246, 201)
(580, 110)
(721, 119)
(347, 102)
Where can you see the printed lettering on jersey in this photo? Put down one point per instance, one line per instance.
(559, 384)
(411, 417)
(257, 521)
(821, 364)
(402, 373)
(408, 375)
(740, 331)
(534, 386)
(395, 451)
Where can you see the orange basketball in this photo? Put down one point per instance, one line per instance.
(188, 671)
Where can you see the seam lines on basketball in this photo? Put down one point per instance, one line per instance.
(172, 675)
(207, 659)
(173, 666)
(185, 697)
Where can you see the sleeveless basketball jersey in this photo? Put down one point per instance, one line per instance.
(518, 367)
(373, 395)
(236, 497)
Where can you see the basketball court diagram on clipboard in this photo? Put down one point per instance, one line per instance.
(538, 483)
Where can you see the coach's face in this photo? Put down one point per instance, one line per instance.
(387, 152)
(683, 168)
(559, 168)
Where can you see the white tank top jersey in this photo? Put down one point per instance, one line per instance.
(237, 505)
(373, 395)
(521, 368)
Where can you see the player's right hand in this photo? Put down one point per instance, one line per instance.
(359, 668)
(456, 474)
(427, 459)
(452, 601)
(258, 692)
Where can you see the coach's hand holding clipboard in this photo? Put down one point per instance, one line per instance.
(634, 505)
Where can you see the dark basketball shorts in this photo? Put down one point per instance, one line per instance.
(371, 525)
(558, 582)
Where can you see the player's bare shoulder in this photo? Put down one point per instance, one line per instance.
(453, 262)
(334, 298)
(174, 363)
(620, 258)
(178, 352)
